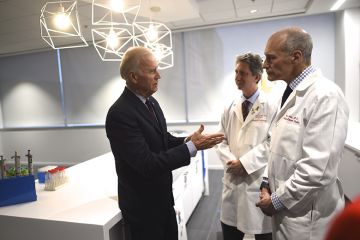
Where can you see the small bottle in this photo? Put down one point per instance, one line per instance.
(2, 167)
(17, 164)
(30, 163)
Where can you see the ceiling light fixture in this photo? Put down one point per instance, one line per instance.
(59, 25)
(114, 29)
(337, 5)
(253, 11)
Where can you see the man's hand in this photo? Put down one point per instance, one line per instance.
(265, 203)
(236, 168)
(205, 141)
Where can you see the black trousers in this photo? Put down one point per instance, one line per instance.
(162, 226)
(232, 233)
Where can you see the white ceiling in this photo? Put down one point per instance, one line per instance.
(20, 27)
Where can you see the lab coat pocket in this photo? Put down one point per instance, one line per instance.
(288, 142)
(256, 133)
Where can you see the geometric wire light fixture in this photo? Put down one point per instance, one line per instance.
(157, 37)
(124, 32)
(59, 24)
(114, 12)
(112, 42)
(114, 30)
(115, 35)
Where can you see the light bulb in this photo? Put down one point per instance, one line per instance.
(112, 40)
(62, 21)
(117, 5)
(152, 33)
(158, 53)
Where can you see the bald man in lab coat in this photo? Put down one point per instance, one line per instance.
(302, 192)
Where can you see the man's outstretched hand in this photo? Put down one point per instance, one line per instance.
(205, 141)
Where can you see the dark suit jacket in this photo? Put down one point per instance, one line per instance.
(145, 154)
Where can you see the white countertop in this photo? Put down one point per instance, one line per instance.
(90, 196)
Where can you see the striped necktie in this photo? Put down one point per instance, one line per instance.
(245, 107)
(151, 109)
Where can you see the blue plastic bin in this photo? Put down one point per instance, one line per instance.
(17, 190)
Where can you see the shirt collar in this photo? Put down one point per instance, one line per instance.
(142, 99)
(253, 97)
(307, 71)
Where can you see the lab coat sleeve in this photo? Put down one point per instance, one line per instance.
(223, 149)
(257, 157)
(321, 150)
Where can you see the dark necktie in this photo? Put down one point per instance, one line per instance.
(245, 107)
(151, 109)
(286, 94)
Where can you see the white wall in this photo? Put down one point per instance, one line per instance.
(352, 61)
(74, 145)
(61, 146)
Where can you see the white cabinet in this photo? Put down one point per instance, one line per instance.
(188, 187)
(179, 210)
(193, 186)
(349, 173)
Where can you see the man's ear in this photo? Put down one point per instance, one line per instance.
(297, 56)
(133, 77)
(258, 78)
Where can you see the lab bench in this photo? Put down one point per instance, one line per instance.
(86, 207)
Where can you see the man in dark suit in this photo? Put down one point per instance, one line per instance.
(145, 153)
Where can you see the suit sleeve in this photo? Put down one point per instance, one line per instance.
(130, 143)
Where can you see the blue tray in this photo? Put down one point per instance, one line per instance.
(17, 190)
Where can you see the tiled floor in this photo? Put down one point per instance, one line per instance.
(204, 224)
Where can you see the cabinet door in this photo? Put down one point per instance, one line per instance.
(180, 218)
(197, 181)
(349, 173)
(187, 194)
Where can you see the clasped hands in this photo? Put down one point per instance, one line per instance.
(265, 203)
(205, 141)
(235, 167)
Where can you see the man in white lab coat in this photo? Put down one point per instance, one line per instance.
(302, 192)
(245, 124)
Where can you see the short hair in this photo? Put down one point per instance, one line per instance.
(253, 60)
(131, 60)
(298, 39)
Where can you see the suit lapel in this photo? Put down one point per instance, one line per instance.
(142, 109)
(160, 123)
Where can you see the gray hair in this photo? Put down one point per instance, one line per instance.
(253, 60)
(298, 39)
(131, 60)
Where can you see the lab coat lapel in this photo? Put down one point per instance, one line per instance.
(303, 86)
(238, 111)
(258, 106)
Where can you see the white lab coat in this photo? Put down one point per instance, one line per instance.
(306, 146)
(241, 193)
